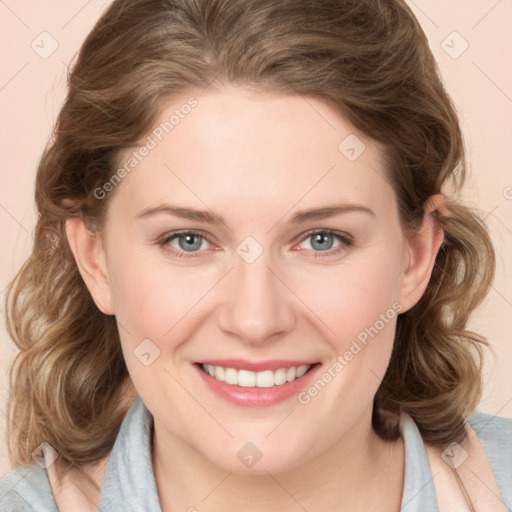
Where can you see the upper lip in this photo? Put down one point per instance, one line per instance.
(256, 366)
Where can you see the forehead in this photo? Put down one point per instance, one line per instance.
(258, 149)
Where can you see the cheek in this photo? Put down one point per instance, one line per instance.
(355, 298)
(359, 307)
(157, 307)
(151, 306)
(150, 297)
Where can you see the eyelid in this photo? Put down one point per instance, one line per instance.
(164, 240)
(167, 237)
(346, 237)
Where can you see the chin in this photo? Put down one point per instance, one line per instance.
(257, 458)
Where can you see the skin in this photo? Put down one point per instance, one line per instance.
(256, 159)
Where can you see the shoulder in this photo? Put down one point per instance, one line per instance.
(495, 436)
(485, 424)
(26, 489)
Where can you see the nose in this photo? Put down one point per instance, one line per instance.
(257, 306)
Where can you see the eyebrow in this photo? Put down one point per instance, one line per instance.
(215, 219)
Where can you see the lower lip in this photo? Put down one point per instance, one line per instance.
(253, 396)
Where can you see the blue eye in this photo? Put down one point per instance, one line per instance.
(322, 242)
(190, 243)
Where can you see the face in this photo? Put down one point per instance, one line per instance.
(296, 263)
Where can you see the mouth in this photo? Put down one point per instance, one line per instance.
(259, 384)
(251, 379)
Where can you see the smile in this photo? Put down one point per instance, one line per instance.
(255, 384)
(250, 379)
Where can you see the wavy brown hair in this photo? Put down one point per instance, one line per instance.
(369, 60)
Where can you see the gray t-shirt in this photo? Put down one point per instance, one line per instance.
(129, 484)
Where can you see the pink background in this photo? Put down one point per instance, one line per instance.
(32, 88)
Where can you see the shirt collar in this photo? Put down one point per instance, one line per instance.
(419, 489)
(129, 479)
(129, 482)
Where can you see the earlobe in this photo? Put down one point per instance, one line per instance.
(87, 248)
(423, 247)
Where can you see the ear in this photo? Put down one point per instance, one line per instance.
(423, 246)
(87, 248)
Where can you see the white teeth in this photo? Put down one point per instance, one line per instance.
(280, 376)
(301, 370)
(265, 379)
(219, 373)
(248, 379)
(231, 376)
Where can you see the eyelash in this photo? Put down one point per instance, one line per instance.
(345, 239)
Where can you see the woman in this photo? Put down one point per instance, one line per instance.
(186, 343)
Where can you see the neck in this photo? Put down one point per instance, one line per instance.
(358, 472)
